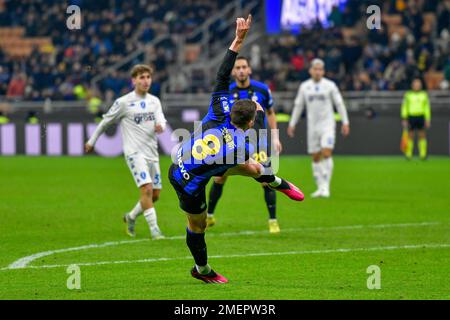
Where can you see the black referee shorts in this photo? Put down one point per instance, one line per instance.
(416, 122)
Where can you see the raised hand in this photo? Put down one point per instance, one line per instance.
(242, 26)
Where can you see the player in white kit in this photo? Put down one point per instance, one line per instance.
(318, 95)
(140, 117)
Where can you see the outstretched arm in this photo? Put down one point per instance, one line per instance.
(223, 75)
(113, 115)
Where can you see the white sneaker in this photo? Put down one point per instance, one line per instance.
(325, 193)
(130, 225)
(156, 233)
(317, 193)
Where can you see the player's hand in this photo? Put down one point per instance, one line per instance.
(159, 128)
(345, 130)
(242, 26)
(291, 131)
(88, 148)
(427, 124)
(278, 146)
(405, 124)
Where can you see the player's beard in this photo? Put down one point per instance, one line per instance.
(243, 81)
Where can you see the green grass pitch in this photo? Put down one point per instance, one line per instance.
(384, 211)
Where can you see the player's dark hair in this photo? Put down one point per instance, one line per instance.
(140, 69)
(243, 58)
(243, 112)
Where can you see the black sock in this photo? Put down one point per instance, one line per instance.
(197, 245)
(214, 195)
(266, 178)
(270, 196)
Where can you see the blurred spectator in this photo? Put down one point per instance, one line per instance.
(16, 88)
(356, 58)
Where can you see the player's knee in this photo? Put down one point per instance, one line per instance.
(327, 155)
(197, 225)
(220, 180)
(316, 157)
(147, 190)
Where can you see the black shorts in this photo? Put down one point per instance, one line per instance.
(194, 204)
(416, 122)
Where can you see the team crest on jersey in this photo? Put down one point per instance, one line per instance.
(143, 104)
(255, 98)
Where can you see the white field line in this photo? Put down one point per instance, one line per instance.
(25, 261)
(258, 254)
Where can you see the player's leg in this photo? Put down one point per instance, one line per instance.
(214, 195)
(422, 138)
(422, 143)
(317, 169)
(265, 175)
(327, 165)
(410, 144)
(195, 208)
(150, 212)
(195, 240)
(270, 196)
(327, 140)
(137, 165)
(314, 150)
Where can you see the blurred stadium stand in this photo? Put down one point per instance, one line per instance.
(48, 68)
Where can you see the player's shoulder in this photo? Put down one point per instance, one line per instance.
(328, 82)
(306, 83)
(125, 99)
(259, 85)
(152, 98)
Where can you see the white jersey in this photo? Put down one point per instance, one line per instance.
(137, 116)
(319, 97)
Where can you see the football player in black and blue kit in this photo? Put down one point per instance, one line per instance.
(246, 88)
(219, 148)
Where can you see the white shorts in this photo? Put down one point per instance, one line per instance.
(319, 139)
(144, 171)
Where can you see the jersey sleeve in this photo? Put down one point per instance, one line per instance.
(219, 108)
(224, 73)
(339, 103)
(299, 104)
(269, 102)
(114, 114)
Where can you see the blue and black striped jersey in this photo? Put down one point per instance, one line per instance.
(257, 91)
(217, 145)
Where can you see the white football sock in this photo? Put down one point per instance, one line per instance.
(137, 210)
(150, 216)
(318, 169)
(328, 171)
(203, 269)
(276, 182)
